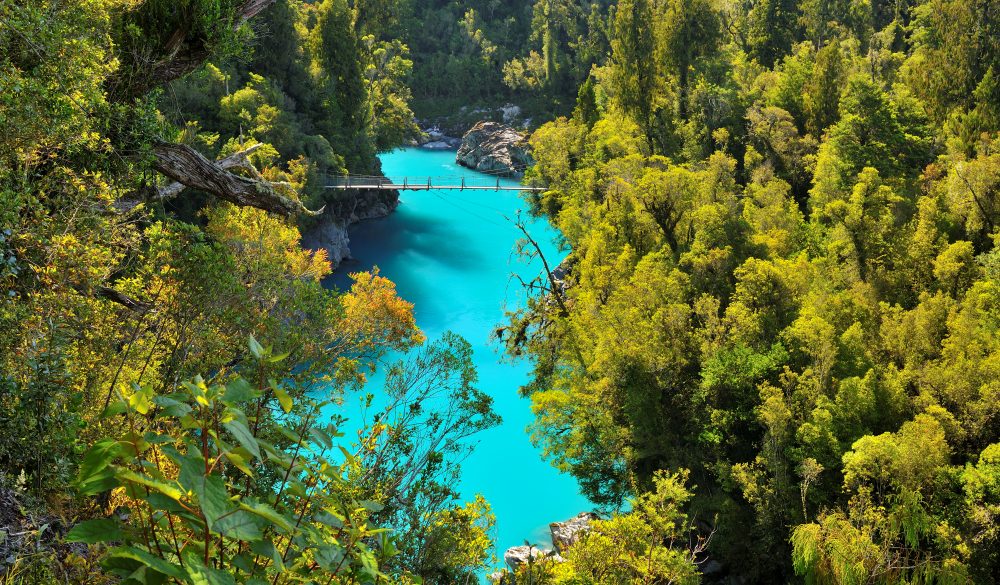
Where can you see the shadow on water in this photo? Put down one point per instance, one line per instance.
(420, 238)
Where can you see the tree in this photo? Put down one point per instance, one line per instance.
(640, 546)
(632, 48)
(691, 30)
(335, 47)
(771, 29)
(892, 529)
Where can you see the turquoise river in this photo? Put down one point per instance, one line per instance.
(451, 253)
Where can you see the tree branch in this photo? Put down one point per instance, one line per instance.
(176, 58)
(121, 298)
(237, 160)
(189, 168)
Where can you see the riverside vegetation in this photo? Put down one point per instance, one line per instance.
(774, 336)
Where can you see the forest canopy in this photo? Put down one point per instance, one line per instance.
(781, 224)
(770, 353)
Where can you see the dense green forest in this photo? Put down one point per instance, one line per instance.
(783, 278)
(771, 354)
(487, 53)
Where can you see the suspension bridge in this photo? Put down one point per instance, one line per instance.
(447, 183)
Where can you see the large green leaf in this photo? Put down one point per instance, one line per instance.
(371, 506)
(213, 499)
(255, 348)
(153, 562)
(267, 549)
(238, 457)
(141, 399)
(93, 468)
(329, 557)
(199, 574)
(171, 491)
(284, 400)
(268, 513)
(171, 407)
(244, 436)
(239, 390)
(240, 525)
(99, 530)
(98, 483)
(322, 437)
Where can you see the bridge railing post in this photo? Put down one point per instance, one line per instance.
(404, 182)
(463, 183)
(428, 183)
(498, 183)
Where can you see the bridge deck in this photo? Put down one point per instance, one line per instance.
(429, 187)
(444, 182)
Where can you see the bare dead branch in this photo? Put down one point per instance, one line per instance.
(189, 168)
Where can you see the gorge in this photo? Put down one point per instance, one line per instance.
(452, 255)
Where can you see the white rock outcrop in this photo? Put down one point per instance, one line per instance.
(520, 555)
(565, 534)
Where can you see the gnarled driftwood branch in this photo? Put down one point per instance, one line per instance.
(188, 168)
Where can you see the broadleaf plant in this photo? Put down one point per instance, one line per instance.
(229, 484)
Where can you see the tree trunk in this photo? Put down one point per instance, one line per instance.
(189, 168)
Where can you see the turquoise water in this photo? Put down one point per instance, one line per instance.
(451, 253)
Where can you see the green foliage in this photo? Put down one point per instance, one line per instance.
(781, 222)
(652, 543)
(112, 296)
(781, 228)
(199, 474)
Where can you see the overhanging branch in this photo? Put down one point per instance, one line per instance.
(189, 168)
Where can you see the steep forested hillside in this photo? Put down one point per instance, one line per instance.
(319, 93)
(156, 161)
(487, 52)
(781, 220)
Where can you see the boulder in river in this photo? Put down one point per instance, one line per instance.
(437, 145)
(494, 148)
(565, 534)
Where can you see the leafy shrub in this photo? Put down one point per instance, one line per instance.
(213, 502)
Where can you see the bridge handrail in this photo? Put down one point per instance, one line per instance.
(451, 182)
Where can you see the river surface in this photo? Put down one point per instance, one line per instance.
(451, 253)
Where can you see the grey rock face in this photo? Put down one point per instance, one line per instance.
(330, 233)
(565, 534)
(437, 145)
(491, 147)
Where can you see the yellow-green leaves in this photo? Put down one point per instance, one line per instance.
(284, 399)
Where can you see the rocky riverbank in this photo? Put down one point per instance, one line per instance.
(564, 534)
(458, 122)
(330, 232)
